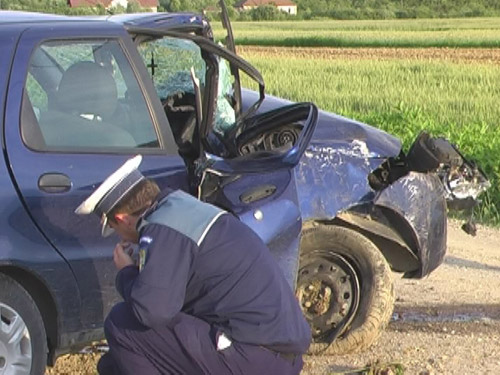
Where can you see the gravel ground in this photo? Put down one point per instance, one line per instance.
(447, 323)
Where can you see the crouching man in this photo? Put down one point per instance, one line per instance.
(206, 297)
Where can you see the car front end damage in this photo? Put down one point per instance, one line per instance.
(369, 208)
(357, 176)
(366, 207)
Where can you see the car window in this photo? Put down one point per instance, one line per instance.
(83, 95)
(169, 61)
(38, 96)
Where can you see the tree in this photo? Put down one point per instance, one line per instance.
(134, 7)
(264, 13)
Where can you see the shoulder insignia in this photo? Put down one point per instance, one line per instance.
(144, 242)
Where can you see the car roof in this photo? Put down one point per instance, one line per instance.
(139, 20)
(9, 16)
(159, 20)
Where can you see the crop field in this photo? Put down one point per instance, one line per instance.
(402, 95)
(463, 33)
(452, 90)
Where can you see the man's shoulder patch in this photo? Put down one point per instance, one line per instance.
(144, 243)
(146, 240)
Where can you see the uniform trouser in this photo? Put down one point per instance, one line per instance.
(185, 346)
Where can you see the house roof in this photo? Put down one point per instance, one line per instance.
(256, 3)
(106, 3)
(148, 3)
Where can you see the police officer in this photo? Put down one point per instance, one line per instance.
(206, 296)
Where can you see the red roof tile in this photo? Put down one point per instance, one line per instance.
(148, 3)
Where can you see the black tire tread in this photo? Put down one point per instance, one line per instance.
(381, 304)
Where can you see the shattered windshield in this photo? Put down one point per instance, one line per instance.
(169, 61)
(225, 116)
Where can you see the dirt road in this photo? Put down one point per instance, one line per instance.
(448, 323)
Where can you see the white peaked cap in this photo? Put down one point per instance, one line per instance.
(112, 191)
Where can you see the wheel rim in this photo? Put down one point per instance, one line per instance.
(328, 291)
(15, 343)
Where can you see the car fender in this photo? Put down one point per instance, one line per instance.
(419, 199)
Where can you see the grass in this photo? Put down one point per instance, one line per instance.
(462, 33)
(456, 100)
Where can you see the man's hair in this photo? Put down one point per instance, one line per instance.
(137, 200)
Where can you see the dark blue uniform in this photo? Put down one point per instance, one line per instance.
(209, 299)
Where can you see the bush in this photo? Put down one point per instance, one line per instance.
(344, 14)
(423, 11)
(406, 13)
(265, 13)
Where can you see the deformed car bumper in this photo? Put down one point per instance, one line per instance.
(405, 216)
(418, 200)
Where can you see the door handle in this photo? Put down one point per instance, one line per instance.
(257, 193)
(54, 183)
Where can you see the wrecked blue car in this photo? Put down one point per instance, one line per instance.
(339, 204)
(366, 207)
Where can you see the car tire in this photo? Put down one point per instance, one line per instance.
(23, 341)
(345, 289)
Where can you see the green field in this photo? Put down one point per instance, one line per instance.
(457, 100)
(463, 33)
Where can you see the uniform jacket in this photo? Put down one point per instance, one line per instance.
(203, 261)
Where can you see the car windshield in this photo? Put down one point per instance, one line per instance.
(225, 115)
(169, 61)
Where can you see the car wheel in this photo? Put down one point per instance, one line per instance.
(23, 342)
(344, 288)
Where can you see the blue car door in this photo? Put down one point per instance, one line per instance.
(257, 183)
(240, 161)
(77, 108)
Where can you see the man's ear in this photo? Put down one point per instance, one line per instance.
(122, 218)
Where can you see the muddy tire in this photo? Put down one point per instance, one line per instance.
(345, 289)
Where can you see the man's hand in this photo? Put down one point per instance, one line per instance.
(122, 255)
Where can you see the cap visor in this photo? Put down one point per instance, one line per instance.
(106, 230)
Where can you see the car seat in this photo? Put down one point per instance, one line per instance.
(87, 89)
(80, 109)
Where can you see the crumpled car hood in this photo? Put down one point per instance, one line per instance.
(336, 131)
(332, 175)
(353, 137)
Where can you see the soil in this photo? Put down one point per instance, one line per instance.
(447, 323)
(465, 55)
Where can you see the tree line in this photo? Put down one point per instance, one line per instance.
(389, 9)
(307, 9)
(62, 7)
